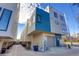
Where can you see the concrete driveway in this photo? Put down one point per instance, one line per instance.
(18, 50)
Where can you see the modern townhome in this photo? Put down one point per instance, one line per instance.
(9, 14)
(45, 29)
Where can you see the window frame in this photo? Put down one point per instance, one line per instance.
(62, 18)
(8, 20)
(55, 15)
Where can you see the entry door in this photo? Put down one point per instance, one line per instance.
(58, 37)
(57, 41)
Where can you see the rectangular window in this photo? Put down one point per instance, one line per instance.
(63, 25)
(64, 29)
(0, 9)
(62, 18)
(56, 18)
(4, 19)
(55, 15)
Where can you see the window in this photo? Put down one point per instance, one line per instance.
(62, 18)
(4, 19)
(55, 15)
(56, 21)
(56, 18)
(38, 18)
(64, 29)
(0, 8)
(63, 25)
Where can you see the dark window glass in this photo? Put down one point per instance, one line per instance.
(4, 19)
(63, 24)
(62, 18)
(56, 18)
(55, 15)
(0, 8)
(64, 29)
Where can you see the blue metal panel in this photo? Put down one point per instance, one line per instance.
(42, 21)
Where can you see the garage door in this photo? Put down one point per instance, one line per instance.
(51, 41)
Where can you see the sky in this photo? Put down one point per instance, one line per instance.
(67, 9)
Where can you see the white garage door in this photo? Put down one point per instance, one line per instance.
(51, 41)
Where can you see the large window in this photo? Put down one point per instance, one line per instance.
(4, 19)
(63, 25)
(0, 9)
(64, 30)
(55, 15)
(62, 18)
(56, 18)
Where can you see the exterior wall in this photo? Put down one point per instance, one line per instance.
(42, 29)
(42, 40)
(24, 35)
(31, 23)
(56, 23)
(12, 26)
(45, 21)
(38, 40)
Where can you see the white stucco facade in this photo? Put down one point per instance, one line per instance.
(42, 38)
(57, 28)
(11, 31)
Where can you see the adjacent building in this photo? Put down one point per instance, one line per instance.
(45, 29)
(9, 14)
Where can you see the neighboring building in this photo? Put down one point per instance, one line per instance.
(75, 35)
(45, 29)
(9, 14)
